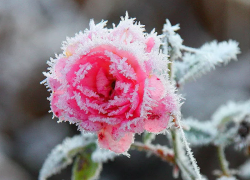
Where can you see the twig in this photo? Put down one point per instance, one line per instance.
(159, 151)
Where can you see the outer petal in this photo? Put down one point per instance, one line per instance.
(158, 87)
(156, 124)
(118, 146)
(150, 44)
(157, 121)
(54, 85)
(91, 126)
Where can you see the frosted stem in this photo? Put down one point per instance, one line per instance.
(175, 144)
(190, 49)
(156, 150)
(222, 160)
(189, 152)
(178, 161)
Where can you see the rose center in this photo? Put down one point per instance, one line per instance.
(112, 88)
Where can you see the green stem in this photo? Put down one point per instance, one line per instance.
(222, 160)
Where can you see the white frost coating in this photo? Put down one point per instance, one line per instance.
(227, 178)
(87, 92)
(199, 61)
(148, 102)
(80, 74)
(172, 39)
(189, 152)
(95, 106)
(108, 120)
(123, 86)
(244, 170)
(128, 124)
(121, 66)
(232, 110)
(59, 157)
(207, 131)
(103, 155)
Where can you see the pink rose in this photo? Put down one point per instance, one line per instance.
(113, 82)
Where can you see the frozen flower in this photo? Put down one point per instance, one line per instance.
(113, 82)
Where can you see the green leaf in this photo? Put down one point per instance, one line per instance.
(84, 168)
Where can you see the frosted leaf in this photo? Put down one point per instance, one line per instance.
(62, 155)
(196, 62)
(103, 155)
(199, 133)
(227, 178)
(244, 170)
(229, 111)
(227, 119)
(171, 41)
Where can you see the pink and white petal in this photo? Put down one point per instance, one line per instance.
(70, 50)
(54, 84)
(104, 119)
(59, 66)
(133, 125)
(57, 111)
(103, 83)
(157, 86)
(155, 123)
(128, 31)
(119, 101)
(117, 133)
(118, 146)
(119, 110)
(150, 42)
(91, 126)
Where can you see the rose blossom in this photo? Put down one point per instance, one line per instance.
(113, 82)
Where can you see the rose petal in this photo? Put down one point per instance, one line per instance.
(150, 44)
(158, 118)
(59, 67)
(91, 126)
(158, 88)
(102, 83)
(156, 124)
(118, 146)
